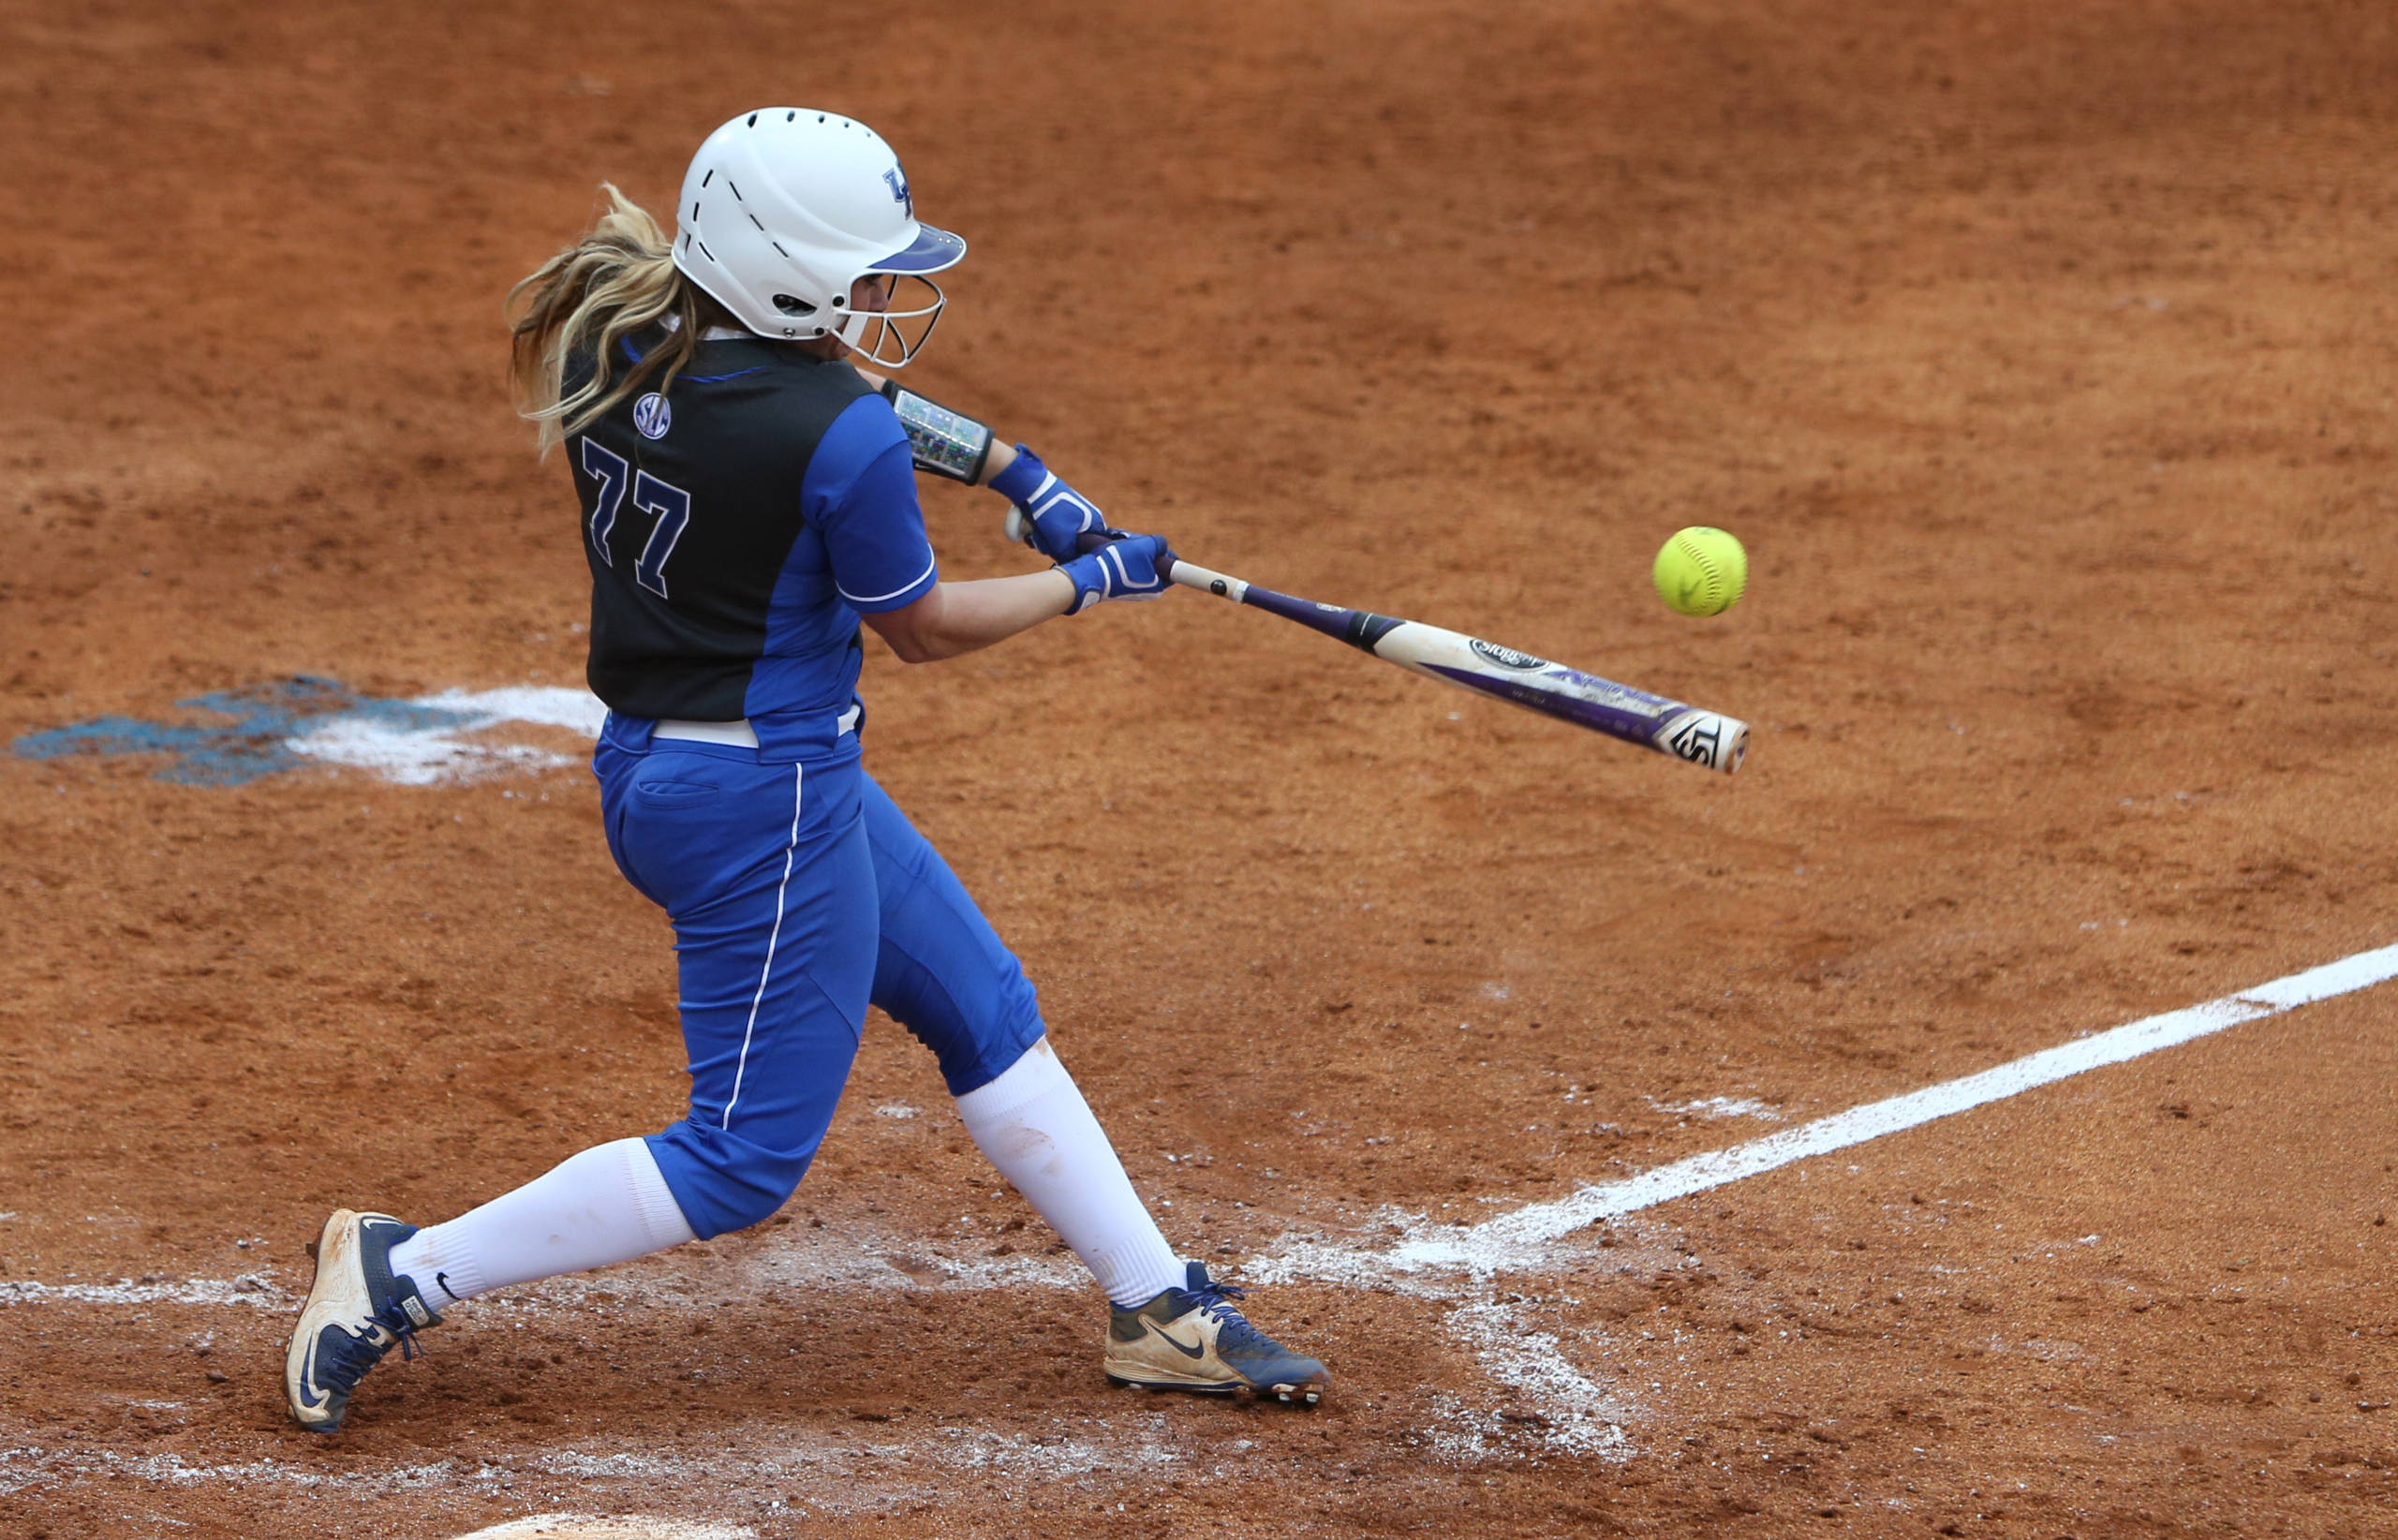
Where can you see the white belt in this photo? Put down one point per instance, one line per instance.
(737, 733)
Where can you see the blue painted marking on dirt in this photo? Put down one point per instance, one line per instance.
(290, 724)
(258, 732)
(254, 739)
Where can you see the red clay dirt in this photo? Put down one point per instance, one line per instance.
(2042, 355)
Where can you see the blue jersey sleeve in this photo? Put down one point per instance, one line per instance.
(860, 495)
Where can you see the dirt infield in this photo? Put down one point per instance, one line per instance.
(2043, 356)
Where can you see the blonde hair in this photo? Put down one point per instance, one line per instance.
(617, 280)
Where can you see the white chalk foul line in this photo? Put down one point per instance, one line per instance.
(577, 1526)
(1520, 1241)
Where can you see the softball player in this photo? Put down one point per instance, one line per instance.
(747, 496)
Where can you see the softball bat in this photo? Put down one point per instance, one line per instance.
(1702, 737)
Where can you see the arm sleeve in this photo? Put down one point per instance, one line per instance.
(860, 494)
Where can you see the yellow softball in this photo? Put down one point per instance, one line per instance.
(1701, 571)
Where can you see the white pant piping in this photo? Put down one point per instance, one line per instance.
(789, 854)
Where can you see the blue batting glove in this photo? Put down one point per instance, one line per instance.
(1126, 567)
(1050, 516)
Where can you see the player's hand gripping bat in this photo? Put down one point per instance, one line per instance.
(1686, 732)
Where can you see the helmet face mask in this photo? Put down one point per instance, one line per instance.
(888, 337)
(785, 209)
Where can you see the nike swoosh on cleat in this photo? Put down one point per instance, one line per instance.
(307, 1382)
(1188, 1351)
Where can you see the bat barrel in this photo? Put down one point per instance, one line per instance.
(1706, 738)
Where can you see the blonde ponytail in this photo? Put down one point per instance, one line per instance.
(618, 280)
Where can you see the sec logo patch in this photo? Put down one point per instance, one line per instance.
(653, 416)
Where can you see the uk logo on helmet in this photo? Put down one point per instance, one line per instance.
(898, 185)
(653, 416)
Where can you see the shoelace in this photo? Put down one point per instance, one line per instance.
(1236, 1333)
(395, 1321)
(365, 1353)
(344, 1360)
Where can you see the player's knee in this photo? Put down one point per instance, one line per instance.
(970, 1063)
(747, 1204)
(723, 1182)
(976, 1033)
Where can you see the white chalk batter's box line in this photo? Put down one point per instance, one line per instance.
(1457, 1267)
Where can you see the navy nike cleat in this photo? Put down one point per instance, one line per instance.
(1192, 1338)
(356, 1311)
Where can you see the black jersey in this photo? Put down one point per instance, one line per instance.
(735, 528)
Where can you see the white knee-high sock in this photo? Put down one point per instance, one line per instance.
(1033, 1124)
(609, 1204)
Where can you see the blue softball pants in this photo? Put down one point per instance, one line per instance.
(799, 894)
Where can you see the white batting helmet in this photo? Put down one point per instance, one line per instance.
(785, 208)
